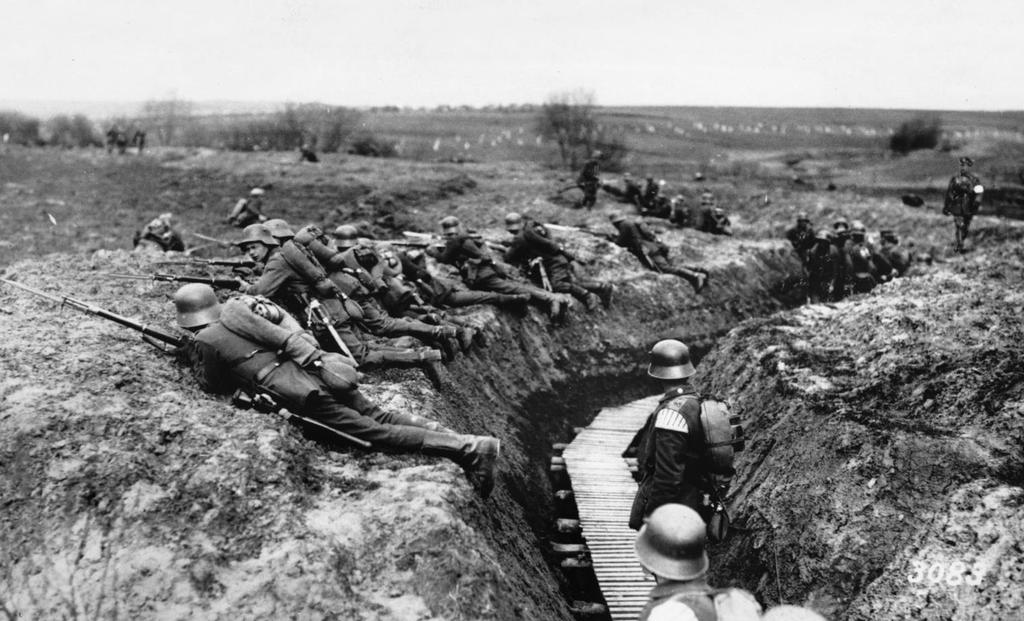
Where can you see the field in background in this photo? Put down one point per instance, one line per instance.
(845, 146)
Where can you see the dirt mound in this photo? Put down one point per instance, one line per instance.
(883, 475)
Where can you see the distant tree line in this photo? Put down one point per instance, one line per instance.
(173, 122)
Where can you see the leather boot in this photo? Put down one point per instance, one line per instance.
(476, 454)
(430, 362)
(465, 337)
(444, 337)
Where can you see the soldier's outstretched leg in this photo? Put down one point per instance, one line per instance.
(503, 300)
(476, 454)
(359, 402)
(556, 305)
(696, 279)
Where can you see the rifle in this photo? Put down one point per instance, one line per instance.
(221, 242)
(576, 229)
(317, 311)
(165, 337)
(544, 280)
(568, 187)
(232, 263)
(426, 240)
(216, 283)
(264, 402)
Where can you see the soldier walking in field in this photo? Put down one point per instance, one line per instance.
(253, 345)
(962, 201)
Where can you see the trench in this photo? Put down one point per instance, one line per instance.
(553, 381)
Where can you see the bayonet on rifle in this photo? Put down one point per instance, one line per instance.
(63, 300)
(216, 283)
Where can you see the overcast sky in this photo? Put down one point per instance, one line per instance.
(868, 53)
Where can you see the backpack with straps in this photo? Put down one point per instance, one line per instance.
(723, 438)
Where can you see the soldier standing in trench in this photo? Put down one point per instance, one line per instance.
(963, 198)
(588, 181)
(669, 456)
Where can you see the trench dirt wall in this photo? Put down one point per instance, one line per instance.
(129, 493)
(883, 475)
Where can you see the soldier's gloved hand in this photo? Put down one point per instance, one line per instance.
(302, 347)
(326, 288)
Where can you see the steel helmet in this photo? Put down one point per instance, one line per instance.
(801, 216)
(279, 228)
(823, 235)
(671, 543)
(841, 222)
(616, 217)
(346, 231)
(449, 222)
(196, 305)
(513, 222)
(256, 192)
(256, 233)
(858, 227)
(670, 360)
(966, 161)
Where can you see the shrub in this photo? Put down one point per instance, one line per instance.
(72, 131)
(369, 145)
(917, 133)
(21, 128)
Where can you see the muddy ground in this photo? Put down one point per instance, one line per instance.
(129, 493)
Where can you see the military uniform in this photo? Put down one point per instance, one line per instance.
(802, 238)
(533, 243)
(865, 268)
(588, 181)
(713, 220)
(445, 292)
(669, 458)
(823, 271)
(247, 211)
(267, 352)
(292, 275)
(897, 256)
(158, 234)
(479, 271)
(653, 254)
(693, 600)
(962, 203)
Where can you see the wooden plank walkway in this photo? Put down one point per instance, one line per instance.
(604, 488)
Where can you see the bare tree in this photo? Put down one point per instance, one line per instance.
(568, 118)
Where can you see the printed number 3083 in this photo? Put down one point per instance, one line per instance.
(939, 573)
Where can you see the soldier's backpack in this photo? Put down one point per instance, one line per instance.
(729, 604)
(723, 438)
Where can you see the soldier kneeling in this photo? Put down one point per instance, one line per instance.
(252, 344)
